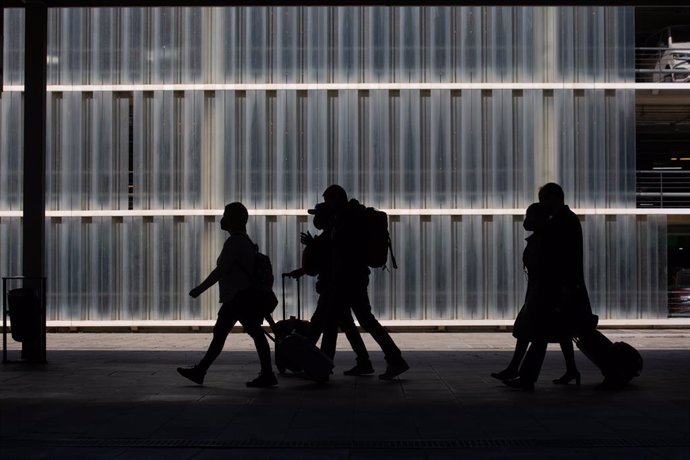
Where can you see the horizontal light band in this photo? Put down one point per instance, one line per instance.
(391, 212)
(351, 86)
(651, 322)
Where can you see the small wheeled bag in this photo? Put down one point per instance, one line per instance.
(293, 350)
(619, 362)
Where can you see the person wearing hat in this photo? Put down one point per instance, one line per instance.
(232, 273)
(316, 261)
(350, 272)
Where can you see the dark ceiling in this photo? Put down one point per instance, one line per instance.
(650, 20)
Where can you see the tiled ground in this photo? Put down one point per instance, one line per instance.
(118, 396)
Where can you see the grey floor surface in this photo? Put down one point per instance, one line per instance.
(118, 396)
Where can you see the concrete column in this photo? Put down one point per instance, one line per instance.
(34, 206)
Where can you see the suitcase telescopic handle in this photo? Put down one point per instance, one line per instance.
(299, 300)
(283, 279)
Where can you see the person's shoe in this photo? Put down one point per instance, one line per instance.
(567, 377)
(520, 384)
(506, 374)
(193, 373)
(263, 381)
(394, 369)
(361, 368)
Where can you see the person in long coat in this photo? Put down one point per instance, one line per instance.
(524, 329)
(561, 302)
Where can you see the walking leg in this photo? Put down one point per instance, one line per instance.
(222, 328)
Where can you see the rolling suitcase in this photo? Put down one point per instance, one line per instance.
(293, 351)
(283, 328)
(619, 362)
(298, 352)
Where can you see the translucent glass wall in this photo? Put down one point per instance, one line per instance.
(190, 108)
(340, 45)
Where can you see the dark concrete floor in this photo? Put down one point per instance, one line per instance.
(118, 396)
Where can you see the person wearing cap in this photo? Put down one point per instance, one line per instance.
(350, 272)
(316, 261)
(232, 273)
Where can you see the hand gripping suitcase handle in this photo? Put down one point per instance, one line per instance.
(299, 301)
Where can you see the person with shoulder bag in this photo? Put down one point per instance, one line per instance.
(243, 295)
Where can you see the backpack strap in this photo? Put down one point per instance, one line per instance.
(256, 250)
(390, 249)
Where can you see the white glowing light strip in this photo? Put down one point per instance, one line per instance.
(11, 213)
(620, 323)
(391, 212)
(351, 86)
(171, 213)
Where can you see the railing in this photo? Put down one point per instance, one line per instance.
(657, 65)
(663, 189)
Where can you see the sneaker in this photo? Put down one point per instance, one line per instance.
(361, 368)
(263, 381)
(193, 373)
(394, 369)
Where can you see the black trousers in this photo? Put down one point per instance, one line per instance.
(328, 317)
(356, 298)
(228, 315)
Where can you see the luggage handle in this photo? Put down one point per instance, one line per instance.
(299, 301)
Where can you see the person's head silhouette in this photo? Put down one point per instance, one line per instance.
(323, 216)
(551, 196)
(235, 217)
(534, 217)
(335, 197)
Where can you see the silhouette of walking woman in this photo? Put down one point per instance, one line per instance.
(232, 273)
(534, 222)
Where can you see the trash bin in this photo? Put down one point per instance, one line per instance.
(25, 313)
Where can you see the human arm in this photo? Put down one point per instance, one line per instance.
(225, 260)
(210, 280)
(295, 273)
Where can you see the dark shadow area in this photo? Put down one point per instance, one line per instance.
(107, 403)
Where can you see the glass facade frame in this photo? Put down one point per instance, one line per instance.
(447, 117)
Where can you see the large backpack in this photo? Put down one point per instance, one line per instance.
(262, 277)
(261, 291)
(377, 239)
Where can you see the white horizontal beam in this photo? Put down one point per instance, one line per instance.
(622, 323)
(354, 86)
(391, 212)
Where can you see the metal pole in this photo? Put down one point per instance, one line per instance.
(34, 206)
(4, 320)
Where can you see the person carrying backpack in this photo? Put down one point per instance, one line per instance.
(350, 278)
(235, 275)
